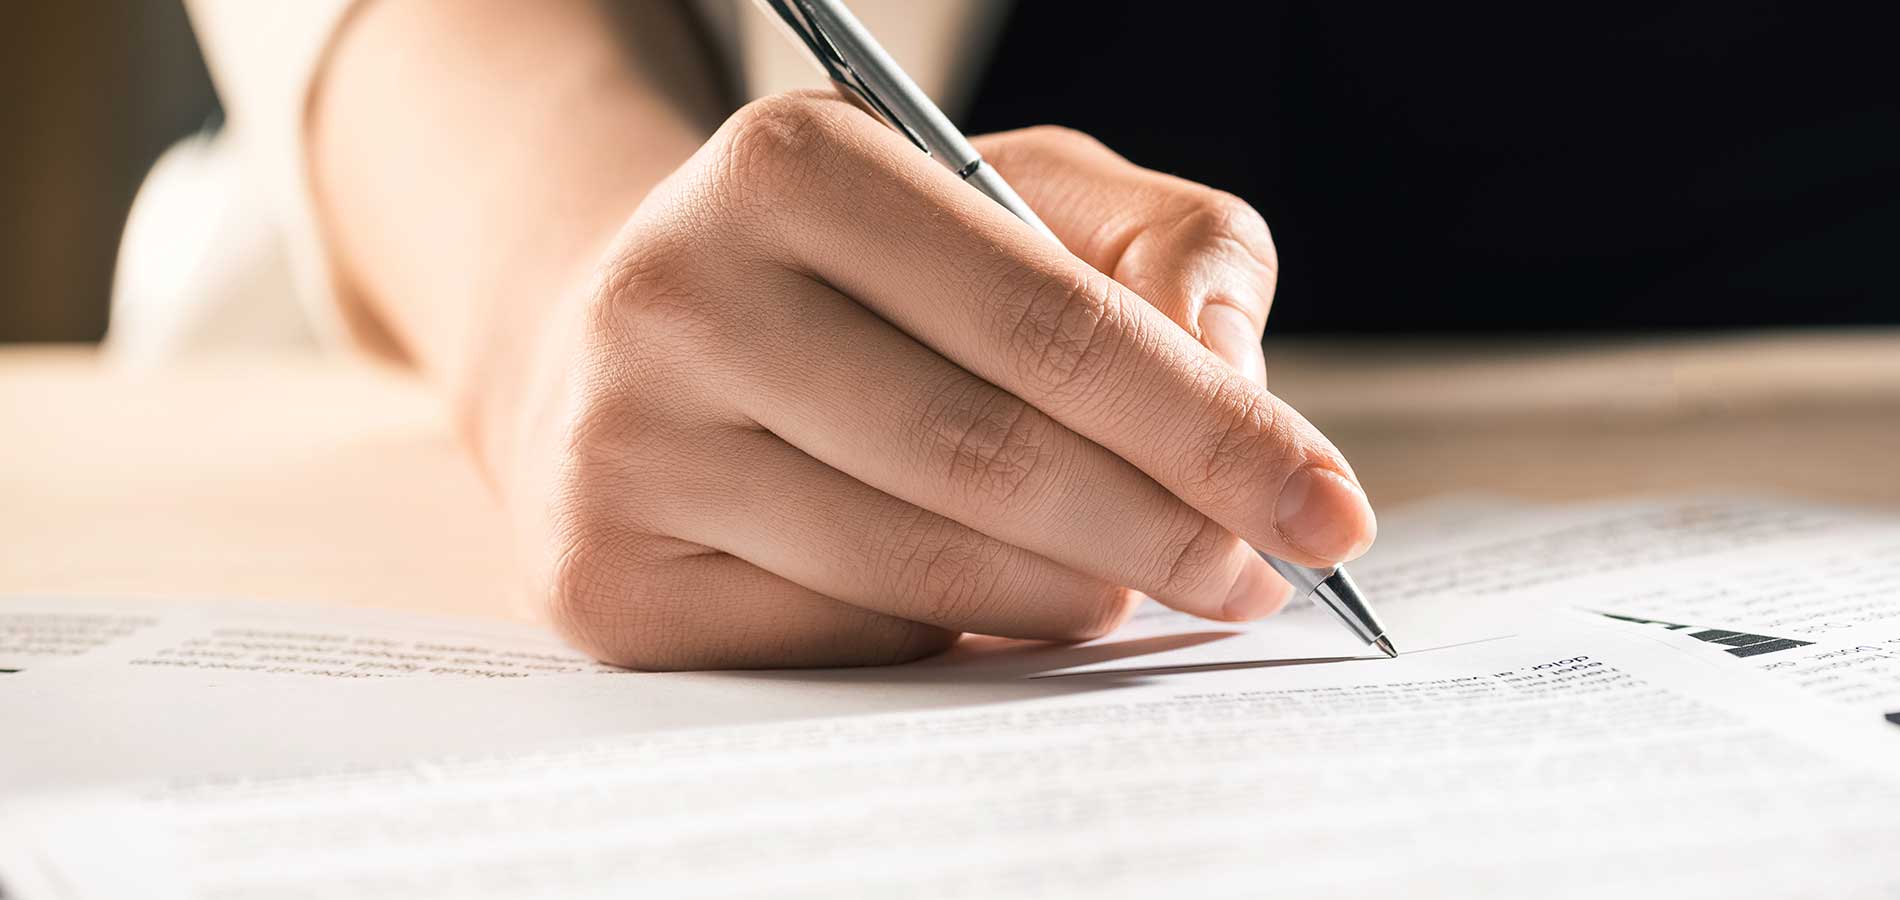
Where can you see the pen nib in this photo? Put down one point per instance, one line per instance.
(1385, 646)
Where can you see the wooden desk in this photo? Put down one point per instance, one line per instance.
(321, 480)
(297, 479)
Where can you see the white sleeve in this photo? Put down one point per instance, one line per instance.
(264, 58)
(266, 55)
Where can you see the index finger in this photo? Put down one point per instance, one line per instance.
(954, 270)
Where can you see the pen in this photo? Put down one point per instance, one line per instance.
(851, 57)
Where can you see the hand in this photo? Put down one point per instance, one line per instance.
(826, 405)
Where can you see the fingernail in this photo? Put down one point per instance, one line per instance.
(1324, 514)
(1258, 591)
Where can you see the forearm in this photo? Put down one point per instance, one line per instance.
(471, 159)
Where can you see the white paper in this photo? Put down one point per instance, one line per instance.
(154, 689)
(272, 639)
(237, 750)
(1580, 760)
(1449, 573)
(1160, 638)
(42, 631)
(1807, 593)
(1822, 613)
(299, 691)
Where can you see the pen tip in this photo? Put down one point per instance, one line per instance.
(1385, 646)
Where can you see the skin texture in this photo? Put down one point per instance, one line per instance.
(788, 393)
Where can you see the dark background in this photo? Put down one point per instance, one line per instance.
(91, 91)
(1527, 166)
(1441, 167)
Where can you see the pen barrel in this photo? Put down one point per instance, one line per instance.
(1340, 595)
(1304, 580)
(888, 82)
(853, 58)
(1334, 589)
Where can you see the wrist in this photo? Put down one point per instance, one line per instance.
(466, 210)
(506, 396)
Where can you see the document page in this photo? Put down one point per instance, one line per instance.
(107, 690)
(1167, 639)
(1823, 615)
(145, 689)
(113, 690)
(239, 638)
(1725, 731)
(1809, 594)
(1583, 759)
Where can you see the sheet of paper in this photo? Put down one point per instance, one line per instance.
(1578, 548)
(1160, 638)
(157, 704)
(127, 707)
(1822, 614)
(1579, 759)
(128, 689)
(272, 639)
(1807, 593)
(277, 638)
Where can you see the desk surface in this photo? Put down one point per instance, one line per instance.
(323, 480)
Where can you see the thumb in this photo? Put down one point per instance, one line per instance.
(1226, 330)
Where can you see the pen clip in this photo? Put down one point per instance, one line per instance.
(795, 15)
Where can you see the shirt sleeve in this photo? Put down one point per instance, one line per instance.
(264, 59)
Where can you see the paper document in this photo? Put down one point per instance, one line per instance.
(273, 639)
(1584, 760)
(140, 689)
(1725, 735)
(1809, 594)
(1304, 631)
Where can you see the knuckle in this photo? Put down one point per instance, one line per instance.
(774, 143)
(883, 641)
(1064, 335)
(596, 598)
(1223, 215)
(649, 297)
(1248, 440)
(992, 443)
(907, 641)
(1194, 556)
(953, 574)
(608, 584)
(614, 427)
(1217, 217)
(1105, 610)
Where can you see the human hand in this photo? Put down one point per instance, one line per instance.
(826, 405)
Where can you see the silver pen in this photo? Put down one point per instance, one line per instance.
(851, 57)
